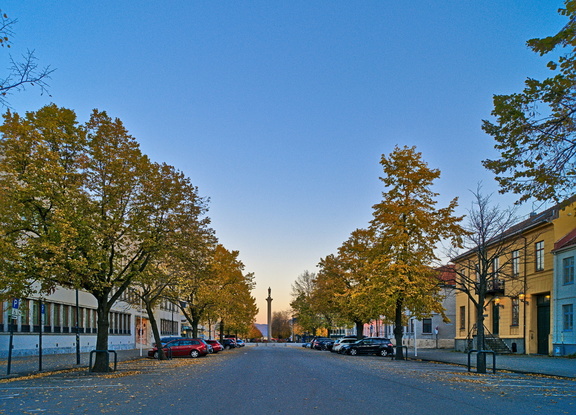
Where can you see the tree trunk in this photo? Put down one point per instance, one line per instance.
(222, 330)
(359, 329)
(101, 363)
(399, 329)
(194, 324)
(480, 357)
(155, 331)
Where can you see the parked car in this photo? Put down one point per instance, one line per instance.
(369, 345)
(182, 347)
(340, 342)
(240, 343)
(316, 342)
(327, 344)
(165, 340)
(216, 345)
(229, 343)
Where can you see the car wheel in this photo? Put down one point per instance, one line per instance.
(194, 353)
(155, 355)
(353, 352)
(383, 353)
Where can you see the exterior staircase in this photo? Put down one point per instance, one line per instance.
(491, 341)
(496, 344)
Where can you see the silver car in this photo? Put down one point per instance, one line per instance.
(340, 342)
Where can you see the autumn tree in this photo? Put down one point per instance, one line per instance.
(535, 130)
(342, 285)
(239, 314)
(404, 232)
(304, 311)
(212, 285)
(82, 203)
(22, 72)
(177, 201)
(281, 326)
(236, 307)
(42, 162)
(148, 289)
(196, 289)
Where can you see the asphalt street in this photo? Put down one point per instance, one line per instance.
(289, 380)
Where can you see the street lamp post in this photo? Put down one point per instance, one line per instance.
(77, 330)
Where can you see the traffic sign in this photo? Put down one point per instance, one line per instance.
(15, 303)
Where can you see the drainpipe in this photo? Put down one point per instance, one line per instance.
(524, 290)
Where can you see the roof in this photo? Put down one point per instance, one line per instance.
(535, 219)
(566, 241)
(447, 274)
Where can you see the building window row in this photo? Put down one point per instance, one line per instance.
(54, 317)
(167, 305)
(168, 327)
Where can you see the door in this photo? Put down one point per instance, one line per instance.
(543, 322)
(495, 319)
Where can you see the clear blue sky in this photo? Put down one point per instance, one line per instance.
(280, 111)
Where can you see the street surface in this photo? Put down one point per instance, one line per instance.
(277, 379)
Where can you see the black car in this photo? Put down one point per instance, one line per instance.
(369, 345)
(229, 343)
(317, 342)
(326, 344)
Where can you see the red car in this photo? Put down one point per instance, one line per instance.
(216, 346)
(182, 347)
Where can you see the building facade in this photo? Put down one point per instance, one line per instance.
(58, 320)
(521, 300)
(564, 296)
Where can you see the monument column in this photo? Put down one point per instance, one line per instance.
(269, 299)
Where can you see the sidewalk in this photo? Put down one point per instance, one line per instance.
(27, 365)
(535, 364)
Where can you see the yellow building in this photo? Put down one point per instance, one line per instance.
(519, 303)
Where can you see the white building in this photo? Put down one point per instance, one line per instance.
(54, 319)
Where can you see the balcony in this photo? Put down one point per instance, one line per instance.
(495, 287)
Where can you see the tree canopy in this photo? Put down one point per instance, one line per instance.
(534, 130)
(82, 207)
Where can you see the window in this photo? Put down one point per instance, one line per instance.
(462, 317)
(65, 318)
(567, 317)
(568, 270)
(539, 255)
(515, 263)
(35, 304)
(427, 326)
(515, 312)
(57, 318)
(495, 267)
(47, 316)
